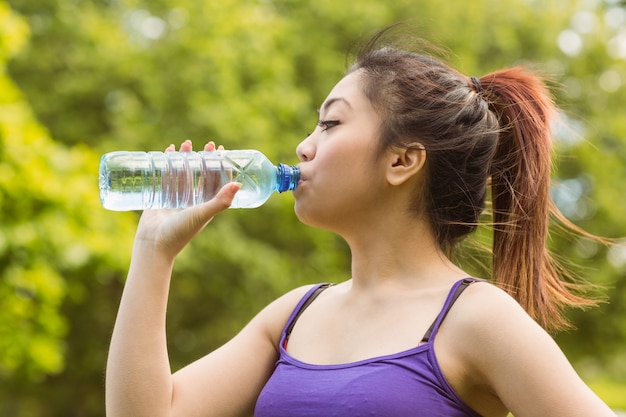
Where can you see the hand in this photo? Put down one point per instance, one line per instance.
(169, 231)
(185, 189)
(187, 146)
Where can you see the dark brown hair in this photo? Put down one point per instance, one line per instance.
(494, 129)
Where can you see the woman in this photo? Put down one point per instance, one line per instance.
(399, 166)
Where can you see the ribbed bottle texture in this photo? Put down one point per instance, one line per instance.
(154, 180)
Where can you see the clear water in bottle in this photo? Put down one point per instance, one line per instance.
(153, 180)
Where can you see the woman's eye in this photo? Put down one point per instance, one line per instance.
(327, 124)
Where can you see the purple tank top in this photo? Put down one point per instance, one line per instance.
(408, 383)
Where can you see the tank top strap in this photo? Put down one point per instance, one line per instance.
(304, 302)
(455, 292)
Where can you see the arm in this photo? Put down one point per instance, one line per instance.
(513, 359)
(138, 377)
(228, 381)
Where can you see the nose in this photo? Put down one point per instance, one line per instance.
(306, 149)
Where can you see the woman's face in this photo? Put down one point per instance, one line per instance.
(340, 171)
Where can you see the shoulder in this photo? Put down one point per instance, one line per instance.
(487, 331)
(273, 318)
(484, 305)
(231, 377)
(488, 319)
(508, 355)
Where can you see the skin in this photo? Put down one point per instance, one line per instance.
(492, 353)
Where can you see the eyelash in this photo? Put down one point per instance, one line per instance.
(327, 124)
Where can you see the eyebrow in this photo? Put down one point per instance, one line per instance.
(332, 101)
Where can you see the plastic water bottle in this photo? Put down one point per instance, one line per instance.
(154, 180)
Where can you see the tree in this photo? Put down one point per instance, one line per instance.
(134, 74)
(53, 237)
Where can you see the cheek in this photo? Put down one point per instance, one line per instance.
(329, 161)
(344, 179)
(310, 212)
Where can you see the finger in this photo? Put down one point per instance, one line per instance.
(220, 148)
(186, 146)
(209, 147)
(170, 148)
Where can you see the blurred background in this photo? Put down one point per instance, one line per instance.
(79, 78)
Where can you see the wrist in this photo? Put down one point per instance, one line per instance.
(152, 255)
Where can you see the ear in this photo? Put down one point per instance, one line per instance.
(405, 163)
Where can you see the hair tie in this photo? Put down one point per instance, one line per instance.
(477, 85)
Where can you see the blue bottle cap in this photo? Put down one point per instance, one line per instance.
(288, 177)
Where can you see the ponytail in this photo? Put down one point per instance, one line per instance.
(496, 128)
(520, 192)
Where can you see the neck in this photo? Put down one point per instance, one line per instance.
(402, 254)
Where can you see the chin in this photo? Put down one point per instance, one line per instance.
(308, 216)
(301, 212)
(305, 214)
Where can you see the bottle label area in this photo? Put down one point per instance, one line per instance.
(153, 180)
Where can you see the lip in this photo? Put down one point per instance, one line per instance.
(303, 176)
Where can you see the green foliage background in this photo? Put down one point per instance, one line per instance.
(83, 77)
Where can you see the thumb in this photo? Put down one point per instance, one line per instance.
(184, 224)
(203, 213)
(224, 197)
(193, 219)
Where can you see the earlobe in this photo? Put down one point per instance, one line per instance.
(405, 163)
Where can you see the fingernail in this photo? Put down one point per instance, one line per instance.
(236, 187)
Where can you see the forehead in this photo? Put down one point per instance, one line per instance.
(348, 83)
(347, 92)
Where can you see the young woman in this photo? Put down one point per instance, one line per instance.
(399, 166)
